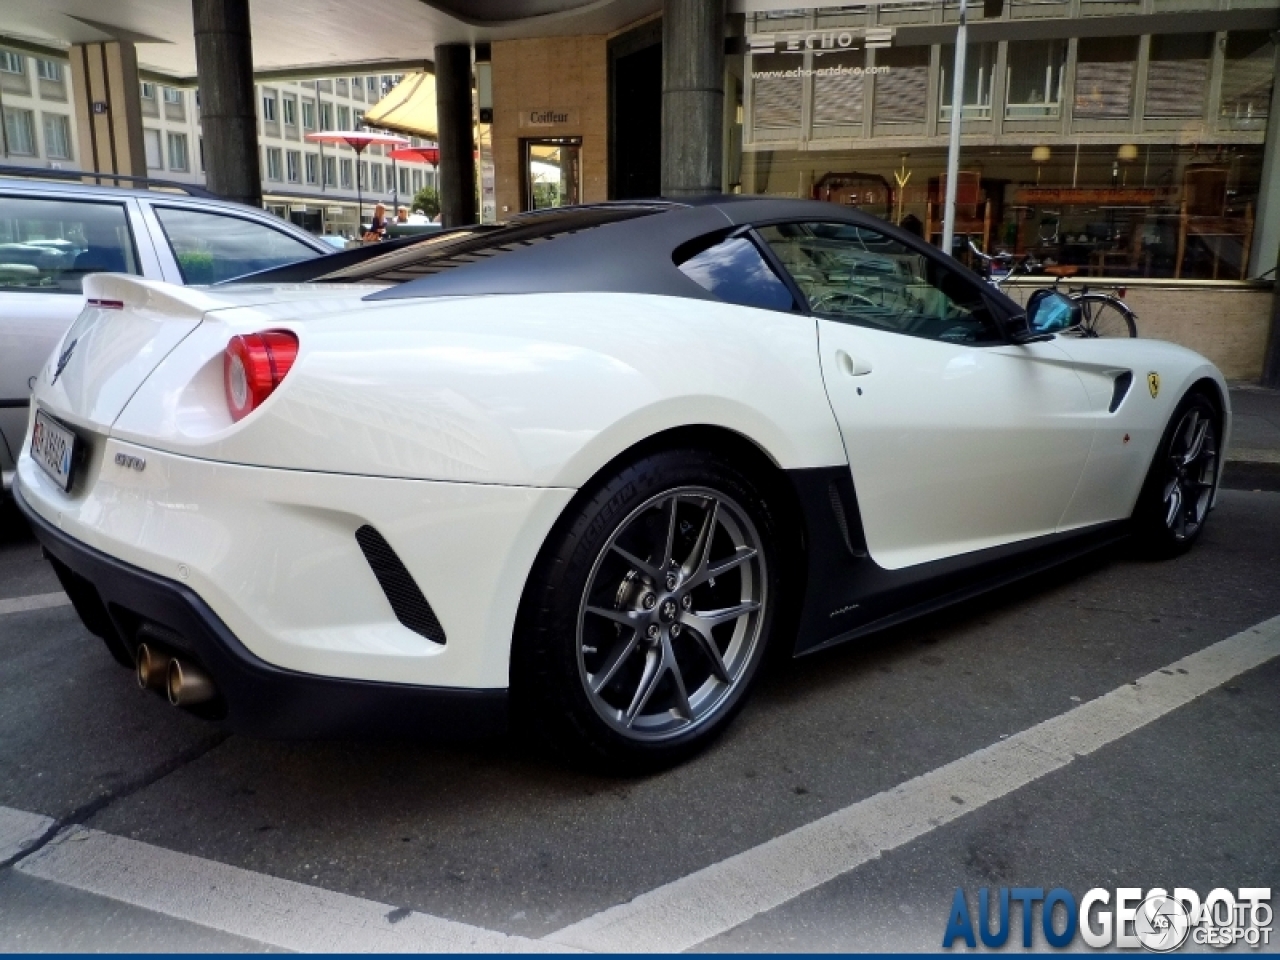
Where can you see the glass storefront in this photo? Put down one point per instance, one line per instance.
(1117, 156)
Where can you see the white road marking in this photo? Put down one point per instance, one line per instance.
(691, 910)
(40, 601)
(19, 830)
(282, 913)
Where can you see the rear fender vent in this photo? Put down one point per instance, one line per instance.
(406, 599)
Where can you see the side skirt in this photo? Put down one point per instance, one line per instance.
(848, 595)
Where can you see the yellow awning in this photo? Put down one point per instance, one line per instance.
(409, 108)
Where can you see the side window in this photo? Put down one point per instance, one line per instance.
(210, 247)
(735, 271)
(858, 275)
(50, 245)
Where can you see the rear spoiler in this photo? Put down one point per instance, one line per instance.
(123, 291)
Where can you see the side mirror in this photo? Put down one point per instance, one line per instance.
(1049, 311)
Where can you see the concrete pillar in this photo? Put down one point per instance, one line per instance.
(228, 117)
(1266, 236)
(104, 81)
(1265, 255)
(457, 171)
(692, 96)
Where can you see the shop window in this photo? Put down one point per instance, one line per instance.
(1247, 73)
(1178, 75)
(838, 88)
(1034, 79)
(979, 76)
(1105, 70)
(777, 88)
(902, 84)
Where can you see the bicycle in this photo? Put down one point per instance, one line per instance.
(1101, 314)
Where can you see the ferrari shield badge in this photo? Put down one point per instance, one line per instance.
(1153, 384)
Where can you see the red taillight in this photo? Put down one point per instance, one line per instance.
(253, 366)
(106, 304)
(1121, 291)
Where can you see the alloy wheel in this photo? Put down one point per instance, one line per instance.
(1193, 471)
(672, 614)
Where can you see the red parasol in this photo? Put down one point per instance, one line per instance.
(357, 140)
(429, 155)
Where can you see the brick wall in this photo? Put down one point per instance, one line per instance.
(567, 74)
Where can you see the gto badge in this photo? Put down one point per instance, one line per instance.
(1153, 383)
(131, 462)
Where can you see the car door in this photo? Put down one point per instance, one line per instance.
(48, 244)
(957, 439)
(203, 244)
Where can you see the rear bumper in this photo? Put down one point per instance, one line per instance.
(115, 599)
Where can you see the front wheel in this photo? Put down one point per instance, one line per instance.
(1104, 316)
(648, 613)
(1175, 500)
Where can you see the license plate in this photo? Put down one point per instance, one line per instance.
(53, 447)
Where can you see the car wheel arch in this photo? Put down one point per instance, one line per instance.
(752, 459)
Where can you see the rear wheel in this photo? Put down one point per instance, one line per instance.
(1178, 493)
(648, 613)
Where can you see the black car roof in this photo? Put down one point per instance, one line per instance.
(635, 253)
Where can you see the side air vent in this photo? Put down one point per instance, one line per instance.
(407, 602)
(1120, 389)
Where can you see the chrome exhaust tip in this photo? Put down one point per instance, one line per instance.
(151, 667)
(187, 684)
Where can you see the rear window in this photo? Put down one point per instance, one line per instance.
(461, 247)
(50, 245)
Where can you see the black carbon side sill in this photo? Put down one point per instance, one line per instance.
(403, 593)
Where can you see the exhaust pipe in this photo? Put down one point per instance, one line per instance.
(152, 668)
(187, 684)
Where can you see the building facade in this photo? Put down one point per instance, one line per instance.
(312, 184)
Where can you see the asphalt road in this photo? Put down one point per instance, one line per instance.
(487, 835)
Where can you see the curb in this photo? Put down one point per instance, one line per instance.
(1255, 473)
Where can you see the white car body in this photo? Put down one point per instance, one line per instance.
(461, 428)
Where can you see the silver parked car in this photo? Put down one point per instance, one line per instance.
(52, 234)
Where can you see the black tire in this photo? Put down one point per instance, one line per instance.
(574, 660)
(1174, 504)
(1105, 316)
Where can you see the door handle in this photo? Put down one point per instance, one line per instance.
(852, 366)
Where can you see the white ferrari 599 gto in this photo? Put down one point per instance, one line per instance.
(591, 461)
